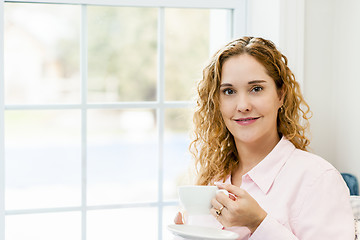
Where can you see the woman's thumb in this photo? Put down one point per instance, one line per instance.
(178, 219)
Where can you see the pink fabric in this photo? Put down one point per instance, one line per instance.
(304, 195)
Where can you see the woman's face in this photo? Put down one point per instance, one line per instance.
(249, 100)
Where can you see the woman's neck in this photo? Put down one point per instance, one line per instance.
(251, 154)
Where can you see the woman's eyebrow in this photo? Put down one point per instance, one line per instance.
(226, 85)
(250, 83)
(256, 81)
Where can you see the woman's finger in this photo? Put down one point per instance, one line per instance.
(217, 213)
(178, 218)
(216, 204)
(221, 216)
(213, 212)
(232, 189)
(223, 200)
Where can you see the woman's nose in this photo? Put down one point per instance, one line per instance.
(243, 104)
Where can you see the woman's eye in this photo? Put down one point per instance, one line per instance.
(228, 91)
(256, 89)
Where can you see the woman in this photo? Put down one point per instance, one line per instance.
(250, 139)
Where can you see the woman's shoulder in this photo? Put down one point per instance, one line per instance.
(307, 173)
(311, 158)
(301, 158)
(310, 164)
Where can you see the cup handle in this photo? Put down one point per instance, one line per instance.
(230, 195)
(223, 191)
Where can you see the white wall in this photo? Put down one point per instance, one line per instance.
(321, 38)
(346, 45)
(264, 19)
(318, 76)
(282, 22)
(332, 80)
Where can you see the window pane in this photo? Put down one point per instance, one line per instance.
(41, 53)
(122, 54)
(129, 223)
(176, 150)
(190, 34)
(43, 158)
(220, 29)
(44, 226)
(122, 155)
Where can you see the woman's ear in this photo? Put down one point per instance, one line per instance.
(281, 94)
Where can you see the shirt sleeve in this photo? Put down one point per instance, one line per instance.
(270, 228)
(325, 214)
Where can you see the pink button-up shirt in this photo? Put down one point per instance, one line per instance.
(304, 195)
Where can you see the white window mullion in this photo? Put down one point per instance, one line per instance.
(84, 75)
(116, 105)
(239, 22)
(160, 114)
(2, 128)
(224, 4)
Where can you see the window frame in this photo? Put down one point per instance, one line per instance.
(238, 20)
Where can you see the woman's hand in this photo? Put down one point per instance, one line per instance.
(178, 218)
(241, 210)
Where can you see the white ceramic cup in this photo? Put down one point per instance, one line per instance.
(196, 200)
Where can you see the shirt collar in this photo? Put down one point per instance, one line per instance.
(265, 172)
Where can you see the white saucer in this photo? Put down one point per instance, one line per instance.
(198, 232)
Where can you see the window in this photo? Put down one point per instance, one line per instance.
(95, 112)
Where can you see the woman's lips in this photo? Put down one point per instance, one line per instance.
(246, 121)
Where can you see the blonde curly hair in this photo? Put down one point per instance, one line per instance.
(213, 146)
